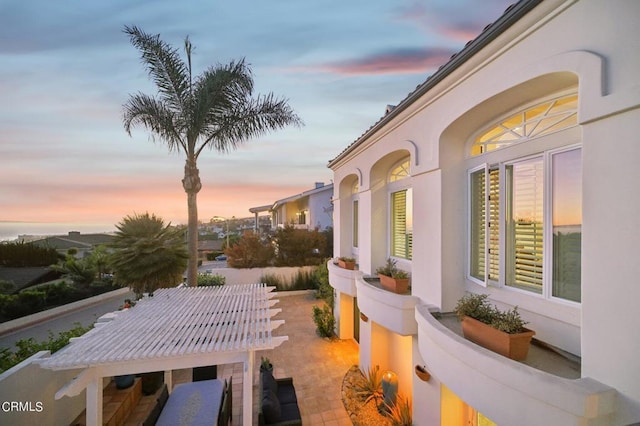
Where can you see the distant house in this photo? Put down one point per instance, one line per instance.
(308, 210)
(84, 243)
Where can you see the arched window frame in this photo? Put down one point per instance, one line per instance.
(540, 118)
(497, 166)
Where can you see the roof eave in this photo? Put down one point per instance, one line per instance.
(512, 15)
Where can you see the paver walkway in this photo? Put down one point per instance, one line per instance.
(317, 366)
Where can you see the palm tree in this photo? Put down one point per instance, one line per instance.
(147, 254)
(215, 110)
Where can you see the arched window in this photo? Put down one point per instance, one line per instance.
(401, 210)
(525, 215)
(541, 119)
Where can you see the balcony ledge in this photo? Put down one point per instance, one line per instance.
(395, 312)
(342, 280)
(478, 375)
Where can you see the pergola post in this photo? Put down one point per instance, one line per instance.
(168, 379)
(94, 402)
(247, 389)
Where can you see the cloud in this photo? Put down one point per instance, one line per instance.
(459, 21)
(398, 61)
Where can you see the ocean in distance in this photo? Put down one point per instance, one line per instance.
(11, 230)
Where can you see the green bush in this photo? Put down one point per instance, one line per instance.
(303, 280)
(29, 347)
(324, 320)
(208, 280)
(272, 280)
(299, 247)
(25, 303)
(324, 290)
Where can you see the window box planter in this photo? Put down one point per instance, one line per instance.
(396, 285)
(392, 278)
(347, 263)
(514, 346)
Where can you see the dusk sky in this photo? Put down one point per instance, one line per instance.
(67, 68)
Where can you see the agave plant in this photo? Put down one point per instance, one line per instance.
(370, 385)
(400, 413)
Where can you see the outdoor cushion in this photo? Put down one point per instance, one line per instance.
(289, 412)
(286, 394)
(271, 407)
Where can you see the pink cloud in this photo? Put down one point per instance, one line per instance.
(401, 61)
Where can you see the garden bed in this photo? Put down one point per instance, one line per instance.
(360, 414)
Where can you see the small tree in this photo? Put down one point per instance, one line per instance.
(249, 252)
(79, 271)
(299, 247)
(148, 254)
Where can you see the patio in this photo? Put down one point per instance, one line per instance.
(317, 365)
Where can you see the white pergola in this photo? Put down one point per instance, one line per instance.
(176, 328)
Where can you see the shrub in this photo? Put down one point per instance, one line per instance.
(478, 307)
(401, 412)
(27, 254)
(370, 385)
(303, 280)
(25, 303)
(299, 247)
(29, 347)
(208, 280)
(272, 280)
(324, 290)
(249, 252)
(391, 270)
(324, 320)
(7, 287)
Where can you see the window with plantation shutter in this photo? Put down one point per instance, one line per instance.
(485, 224)
(400, 211)
(507, 210)
(478, 227)
(355, 224)
(401, 232)
(525, 224)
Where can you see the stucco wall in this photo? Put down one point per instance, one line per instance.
(28, 383)
(584, 44)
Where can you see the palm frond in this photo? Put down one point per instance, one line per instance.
(164, 65)
(250, 119)
(141, 109)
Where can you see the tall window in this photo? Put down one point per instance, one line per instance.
(525, 217)
(532, 208)
(354, 222)
(401, 212)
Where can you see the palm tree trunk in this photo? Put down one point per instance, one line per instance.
(192, 186)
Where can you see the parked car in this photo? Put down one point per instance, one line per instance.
(221, 257)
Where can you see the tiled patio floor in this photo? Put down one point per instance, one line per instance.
(317, 366)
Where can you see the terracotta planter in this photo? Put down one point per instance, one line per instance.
(397, 285)
(346, 265)
(514, 346)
